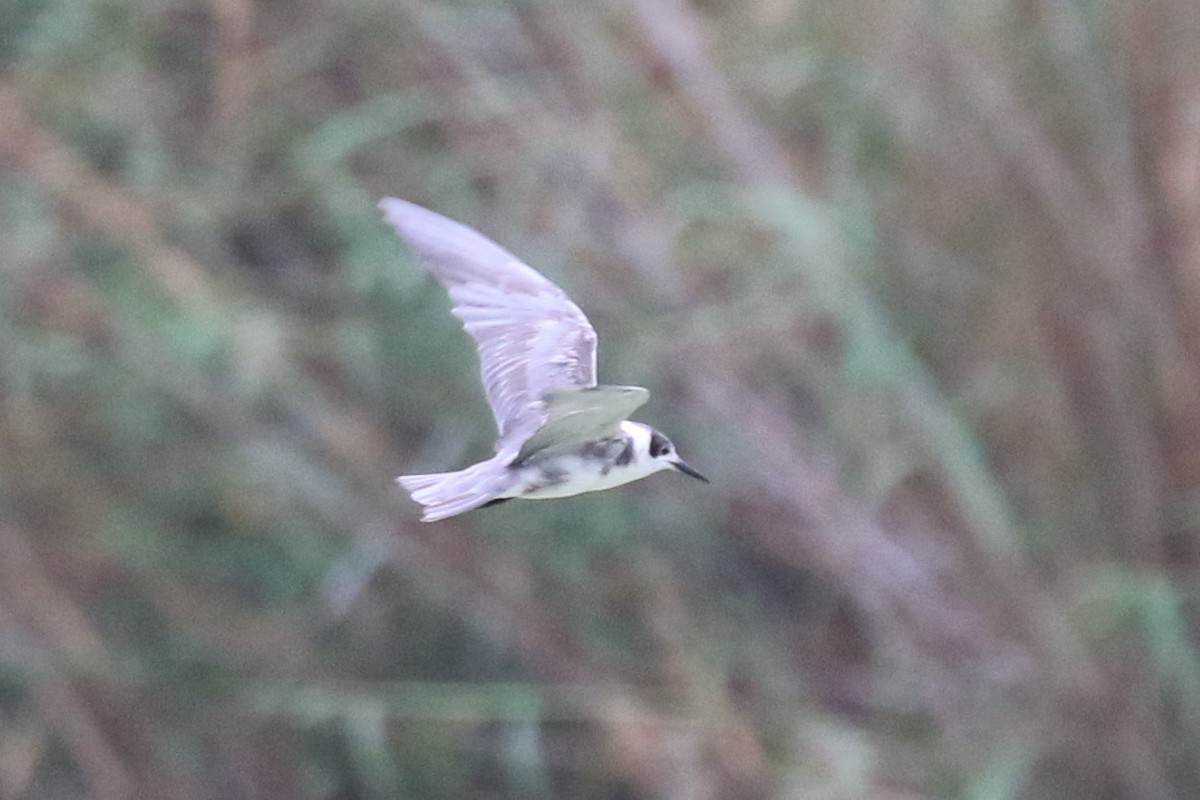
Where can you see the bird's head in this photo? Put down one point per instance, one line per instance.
(654, 448)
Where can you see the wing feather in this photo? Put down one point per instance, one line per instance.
(532, 340)
(580, 415)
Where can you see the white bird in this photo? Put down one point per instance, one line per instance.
(559, 433)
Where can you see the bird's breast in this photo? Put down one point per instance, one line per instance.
(595, 466)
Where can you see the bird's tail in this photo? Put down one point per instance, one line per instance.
(445, 494)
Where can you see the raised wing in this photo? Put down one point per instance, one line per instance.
(532, 339)
(578, 415)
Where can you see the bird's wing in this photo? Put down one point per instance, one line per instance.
(580, 415)
(532, 339)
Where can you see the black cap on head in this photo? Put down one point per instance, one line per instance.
(659, 444)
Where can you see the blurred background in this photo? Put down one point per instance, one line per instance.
(917, 284)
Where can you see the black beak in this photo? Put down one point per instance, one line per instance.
(686, 470)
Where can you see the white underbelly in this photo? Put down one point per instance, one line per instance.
(581, 475)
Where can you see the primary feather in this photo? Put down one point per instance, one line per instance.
(532, 339)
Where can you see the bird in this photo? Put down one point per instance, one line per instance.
(559, 432)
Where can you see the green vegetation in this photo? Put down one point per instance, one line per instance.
(914, 283)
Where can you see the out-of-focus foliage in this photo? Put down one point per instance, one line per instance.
(916, 283)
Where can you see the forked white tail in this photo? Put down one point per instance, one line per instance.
(444, 494)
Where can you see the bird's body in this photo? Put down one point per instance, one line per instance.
(591, 467)
(560, 433)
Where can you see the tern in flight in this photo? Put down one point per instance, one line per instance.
(560, 433)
